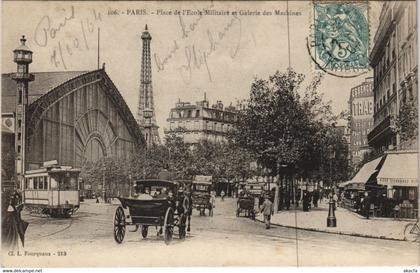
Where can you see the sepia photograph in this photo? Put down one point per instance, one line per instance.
(209, 134)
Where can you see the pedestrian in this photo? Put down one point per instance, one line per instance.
(366, 205)
(222, 194)
(213, 199)
(335, 199)
(267, 210)
(305, 201)
(287, 201)
(316, 198)
(13, 227)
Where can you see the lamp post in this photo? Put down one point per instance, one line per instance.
(22, 56)
(331, 219)
(279, 183)
(130, 185)
(103, 183)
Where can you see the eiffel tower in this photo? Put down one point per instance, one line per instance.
(146, 110)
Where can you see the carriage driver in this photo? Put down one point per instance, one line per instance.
(162, 194)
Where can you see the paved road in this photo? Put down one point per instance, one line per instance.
(224, 239)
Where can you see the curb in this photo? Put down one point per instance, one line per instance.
(337, 232)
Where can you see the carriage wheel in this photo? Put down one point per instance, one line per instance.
(119, 225)
(168, 225)
(144, 230)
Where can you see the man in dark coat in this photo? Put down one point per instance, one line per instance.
(366, 204)
(315, 198)
(287, 201)
(13, 227)
(305, 201)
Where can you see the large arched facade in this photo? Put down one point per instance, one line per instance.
(84, 118)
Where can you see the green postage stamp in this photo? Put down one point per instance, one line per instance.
(341, 34)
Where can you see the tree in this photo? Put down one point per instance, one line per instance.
(282, 128)
(407, 122)
(274, 125)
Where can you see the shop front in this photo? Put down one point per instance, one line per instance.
(355, 188)
(399, 174)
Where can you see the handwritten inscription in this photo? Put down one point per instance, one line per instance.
(196, 57)
(47, 34)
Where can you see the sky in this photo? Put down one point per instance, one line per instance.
(191, 54)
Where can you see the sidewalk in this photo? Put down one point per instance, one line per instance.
(348, 223)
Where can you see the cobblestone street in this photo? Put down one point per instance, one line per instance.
(87, 238)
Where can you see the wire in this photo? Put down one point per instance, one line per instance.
(290, 66)
(288, 32)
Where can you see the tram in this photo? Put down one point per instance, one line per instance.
(52, 190)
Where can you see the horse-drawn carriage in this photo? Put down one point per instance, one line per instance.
(201, 195)
(158, 203)
(246, 205)
(248, 201)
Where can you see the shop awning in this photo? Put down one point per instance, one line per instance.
(343, 184)
(400, 169)
(366, 171)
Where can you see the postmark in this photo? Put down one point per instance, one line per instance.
(339, 41)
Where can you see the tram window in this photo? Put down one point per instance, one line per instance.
(35, 183)
(54, 184)
(70, 183)
(31, 183)
(46, 182)
(26, 183)
(41, 183)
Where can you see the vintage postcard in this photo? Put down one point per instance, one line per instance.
(207, 133)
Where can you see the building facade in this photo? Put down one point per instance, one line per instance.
(360, 119)
(394, 60)
(200, 121)
(72, 117)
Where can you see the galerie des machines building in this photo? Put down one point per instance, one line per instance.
(70, 117)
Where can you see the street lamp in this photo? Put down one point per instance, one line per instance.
(331, 219)
(103, 182)
(129, 185)
(278, 200)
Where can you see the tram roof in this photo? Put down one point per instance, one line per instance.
(53, 170)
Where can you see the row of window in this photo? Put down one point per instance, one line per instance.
(360, 142)
(201, 125)
(387, 82)
(47, 183)
(362, 132)
(361, 124)
(195, 113)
